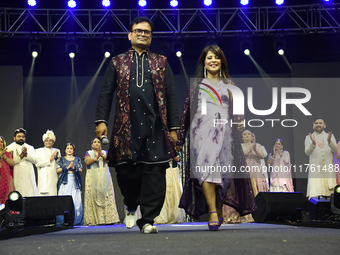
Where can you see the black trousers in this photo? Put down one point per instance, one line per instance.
(144, 185)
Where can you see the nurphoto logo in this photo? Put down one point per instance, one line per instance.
(238, 104)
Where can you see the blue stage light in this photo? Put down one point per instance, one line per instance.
(173, 3)
(244, 2)
(32, 3)
(71, 3)
(207, 2)
(279, 2)
(106, 3)
(142, 3)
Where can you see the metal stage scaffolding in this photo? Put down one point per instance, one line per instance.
(215, 22)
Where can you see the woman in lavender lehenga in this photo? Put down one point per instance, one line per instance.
(214, 149)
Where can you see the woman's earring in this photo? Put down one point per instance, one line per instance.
(220, 72)
(205, 72)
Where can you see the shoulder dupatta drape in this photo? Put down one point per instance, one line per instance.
(239, 194)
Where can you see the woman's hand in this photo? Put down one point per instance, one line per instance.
(3, 152)
(70, 166)
(100, 154)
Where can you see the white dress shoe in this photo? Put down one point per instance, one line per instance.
(130, 219)
(149, 229)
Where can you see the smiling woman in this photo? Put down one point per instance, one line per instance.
(213, 148)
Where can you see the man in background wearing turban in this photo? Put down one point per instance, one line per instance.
(47, 166)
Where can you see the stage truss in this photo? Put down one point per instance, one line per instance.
(221, 22)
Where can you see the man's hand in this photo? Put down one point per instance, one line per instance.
(54, 156)
(312, 137)
(329, 137)
(23, 153)
(101, 129)
(173, 136)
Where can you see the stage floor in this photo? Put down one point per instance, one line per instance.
(187, 238)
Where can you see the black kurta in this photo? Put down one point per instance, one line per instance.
(148, 141)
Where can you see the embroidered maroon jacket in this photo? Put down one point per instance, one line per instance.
(117, 78)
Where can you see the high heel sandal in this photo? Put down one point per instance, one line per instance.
(220, 220)
(213, 227)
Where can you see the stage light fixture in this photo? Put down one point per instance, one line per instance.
(32, 3)
(107, 48)
(280, 44)
(71, 49)
(173, 3)
(207, 2)
(15, 201)
(244, 2)
(279, 2)
(335, 200)
(15, 210)
(246, 47)
(142, 3)
(106, 3)
(71, 3)
(34, 48)
(178, 47)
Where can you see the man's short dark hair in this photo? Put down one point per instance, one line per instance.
(138, 20)
(19, 130)
(319, 118)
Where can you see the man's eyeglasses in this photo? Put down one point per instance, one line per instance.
(141, 31)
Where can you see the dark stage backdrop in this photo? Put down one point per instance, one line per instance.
(67, 106)
(11, 101)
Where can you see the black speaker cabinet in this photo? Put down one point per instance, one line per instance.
(320, 208)
(44, 210)
(275, 206)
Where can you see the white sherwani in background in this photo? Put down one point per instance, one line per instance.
(24, 176)
(321, 174)
(47, 171)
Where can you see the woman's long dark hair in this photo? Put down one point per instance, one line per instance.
(281, 141)
(200, 71)
(200, 63)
